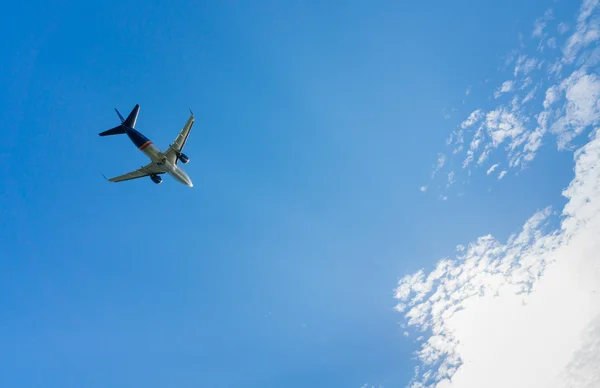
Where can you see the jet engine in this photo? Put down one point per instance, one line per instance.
(184, 159)
(156, 179)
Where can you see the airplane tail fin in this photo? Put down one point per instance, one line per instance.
(129, 122)
(132, 118)
(119, 130)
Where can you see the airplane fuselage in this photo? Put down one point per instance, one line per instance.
(155, 155)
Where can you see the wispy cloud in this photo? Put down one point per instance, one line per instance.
(491, 169)
(540, 24)
(441, 160)
(523, 313)
(506, 87)
(586, 32)
(451, 175)
(562, 28)
(499, 126)
(440, 163)
(540, 100)
(529, 96)
(473, 118)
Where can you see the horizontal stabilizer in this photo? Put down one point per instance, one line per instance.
(114, 131)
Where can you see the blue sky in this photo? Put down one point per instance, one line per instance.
(316, 126)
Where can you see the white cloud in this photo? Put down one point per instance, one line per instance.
(474, 146)
(473, 118)
(525, 65)
(562, 28)
(423, 188)
(518, 125)
(529, 96)
(502, 125)
(534, 140)
(552, 95)
(457, 140)
(451, 175)
(538, 28)
(590, 59)
(519, 64)
(441, 161)
(529, 65)
(555, 68)
(524, 313)
(506, 86)
(586, 31)
(491, 169)
(526, 83)
(540, 24)
(468, 91)
(582, 107)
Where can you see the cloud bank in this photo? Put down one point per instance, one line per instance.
(523, 312)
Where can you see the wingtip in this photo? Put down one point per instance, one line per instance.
(192, 113)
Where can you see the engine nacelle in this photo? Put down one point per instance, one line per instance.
(184, 159)
(156, 179)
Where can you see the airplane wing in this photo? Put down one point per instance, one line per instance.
(174, 149)
(149, 169)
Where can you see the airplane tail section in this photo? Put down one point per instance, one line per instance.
(132, 118)
(129, 122)
(114, 131)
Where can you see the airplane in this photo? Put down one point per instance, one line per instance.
(161, 162)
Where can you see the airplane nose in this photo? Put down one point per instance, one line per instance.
(187, 180)
(182, 177)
